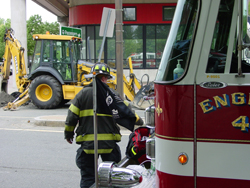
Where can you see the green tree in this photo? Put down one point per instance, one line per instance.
(2, 21)
(36, 26)
(3, 25)
(53, 28)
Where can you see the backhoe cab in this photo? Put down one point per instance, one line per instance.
(54, 66)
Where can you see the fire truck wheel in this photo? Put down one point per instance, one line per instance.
(45, 92)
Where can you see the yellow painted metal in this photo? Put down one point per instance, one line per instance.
(138, 85)
(130, 94)
(23, 98)
(44, 92)
(55, 37)
(70, 91)
(130, 65)
(14, 51)
(132, 77)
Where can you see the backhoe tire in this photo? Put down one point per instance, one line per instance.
(45, 92)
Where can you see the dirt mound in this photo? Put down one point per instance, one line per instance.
(5, 98)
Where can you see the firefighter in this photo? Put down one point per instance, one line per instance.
(81, 111)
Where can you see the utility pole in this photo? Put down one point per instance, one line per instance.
(119, 47)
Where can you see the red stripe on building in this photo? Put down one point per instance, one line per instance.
(92, 14)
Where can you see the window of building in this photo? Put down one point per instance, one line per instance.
(129, 14)
(168, 13)
(98, 44)
(156, 36)
(83, 50)
(143, 43)
(133, 45)
(90, 43)
(150, 46)
(111, 51)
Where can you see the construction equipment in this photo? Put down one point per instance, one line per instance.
(56, 73)
(13, 48)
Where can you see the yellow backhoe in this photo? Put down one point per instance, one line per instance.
(56, 73)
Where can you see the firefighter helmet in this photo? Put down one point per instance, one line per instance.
(101, 69)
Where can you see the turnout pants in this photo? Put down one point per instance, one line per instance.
(86, 164)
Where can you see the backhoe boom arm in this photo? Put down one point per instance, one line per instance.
(14, 50)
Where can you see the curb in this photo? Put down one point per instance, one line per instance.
(51, 121)
(58, 121)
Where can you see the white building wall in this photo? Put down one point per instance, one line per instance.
(18, 24)
(140, 72)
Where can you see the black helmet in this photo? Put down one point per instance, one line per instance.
(101, 69)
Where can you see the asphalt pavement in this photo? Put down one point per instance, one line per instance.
(33, 151)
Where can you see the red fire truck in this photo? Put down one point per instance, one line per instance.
(202, 116)
(202, 98)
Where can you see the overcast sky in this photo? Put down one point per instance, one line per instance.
(31, 9)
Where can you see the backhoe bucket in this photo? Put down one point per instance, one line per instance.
(21, 99)
(141, 100)
(3, 84)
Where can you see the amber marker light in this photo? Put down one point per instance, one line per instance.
(183, 158)
(94, 73)
(47, 32)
